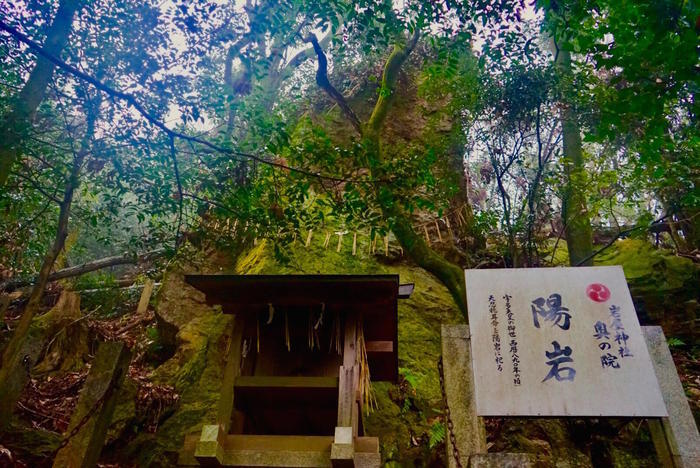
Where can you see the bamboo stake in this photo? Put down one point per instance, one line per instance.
(354, 244)
(340, 241)
(437, 228)
(449, 228)
(328, 238)
(308, 238)
(386, 245)
(427, 236)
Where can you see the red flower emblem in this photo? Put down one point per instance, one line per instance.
(598, 292)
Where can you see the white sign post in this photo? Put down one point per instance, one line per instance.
(558, 342)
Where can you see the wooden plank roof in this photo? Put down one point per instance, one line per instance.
(374, 296)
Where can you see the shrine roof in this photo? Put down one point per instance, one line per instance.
(374, 296)
(236, 291)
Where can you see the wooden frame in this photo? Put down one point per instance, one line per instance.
(368, 305)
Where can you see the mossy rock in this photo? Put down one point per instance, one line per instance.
(663, 285)
(651, 271)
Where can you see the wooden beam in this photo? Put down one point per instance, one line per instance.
(346, 395)
(145, 297)
(273, 450)
(379, 346)
(231, 372)
(265, 381)
(350, 340)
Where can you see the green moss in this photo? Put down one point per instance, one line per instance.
(649, 270)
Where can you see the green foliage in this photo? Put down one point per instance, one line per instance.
(674, 342)
(437, 434)
(409, 377)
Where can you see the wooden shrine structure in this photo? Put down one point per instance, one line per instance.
(301, 355)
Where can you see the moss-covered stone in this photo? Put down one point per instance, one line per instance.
(661, 282)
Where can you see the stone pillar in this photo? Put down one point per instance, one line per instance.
(676, 438)
(469, 429)
(107, 373)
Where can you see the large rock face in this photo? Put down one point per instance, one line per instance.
(408, 420)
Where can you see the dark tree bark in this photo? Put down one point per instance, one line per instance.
(16, 122)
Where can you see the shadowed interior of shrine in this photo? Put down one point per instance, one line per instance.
(301, 357)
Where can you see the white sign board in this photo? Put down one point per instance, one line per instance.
(558, 342)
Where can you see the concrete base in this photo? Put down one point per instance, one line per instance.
(676, 438)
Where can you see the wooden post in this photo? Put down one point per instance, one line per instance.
(675, 438)
(231, 371)
(342, 450)
(145, 297)
(96, 403)
(209, 448)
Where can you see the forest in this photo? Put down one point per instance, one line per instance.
(141, 141)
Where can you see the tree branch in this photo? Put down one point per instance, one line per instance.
(624, 232)
(305, 54)
(322, 81)
(391, 72)
(70, 272)
(131, 100)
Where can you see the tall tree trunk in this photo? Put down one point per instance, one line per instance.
(16, 122)
(21, 352)
(575, 216)
(448, 273)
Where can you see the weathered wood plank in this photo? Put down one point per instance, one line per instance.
(99, 396)
(350, 340)
(145, 297)
(231, 372)
(379, 346)
(264, 381)
(346, 394)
